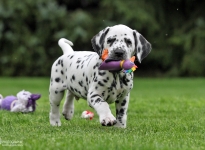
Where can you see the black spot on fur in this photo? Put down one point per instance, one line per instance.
(95, 66)
(56, 92)
(80, 83)
(62, 72)
(122, 111)
(139, 49)
(102, 38)
(62, 63)
(114, 84)
(125, 80)
(117, 101)
(78, 61)
(95, 95)
(59, 61)
(104, 80)
(102, 73)
(85, 89)
(73, 77)
(71, 89)
(100, 83)
(57, 79)
(94, 74)
(96, 79)
(110, 41)
(119, 95)
(107, 97)
(123, 103)
(97, 100)
(103, 93)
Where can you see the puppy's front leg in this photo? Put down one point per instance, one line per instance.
(55, 98)
(102, 108)
(121, 111)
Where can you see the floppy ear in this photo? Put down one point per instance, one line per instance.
(98, 41)
(142, 46)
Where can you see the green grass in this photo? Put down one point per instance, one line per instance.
(163, 114)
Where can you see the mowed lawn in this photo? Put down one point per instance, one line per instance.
(163, 114)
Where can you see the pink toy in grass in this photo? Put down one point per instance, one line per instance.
(87, 114)
(127, 65)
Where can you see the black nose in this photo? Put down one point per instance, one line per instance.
(119, 52)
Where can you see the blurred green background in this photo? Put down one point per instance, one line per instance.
(30, 30)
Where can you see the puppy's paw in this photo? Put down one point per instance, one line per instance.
(68, 114)
(108, 120)
(55, 120)
(120, 125)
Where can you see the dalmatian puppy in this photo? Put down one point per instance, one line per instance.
(77, 73)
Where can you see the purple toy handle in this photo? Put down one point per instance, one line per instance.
(115, 65)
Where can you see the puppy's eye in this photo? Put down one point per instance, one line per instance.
(128, 41)
(109, 41)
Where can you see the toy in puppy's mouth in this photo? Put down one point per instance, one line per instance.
(110, 64)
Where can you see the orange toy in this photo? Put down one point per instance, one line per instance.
(104, 54)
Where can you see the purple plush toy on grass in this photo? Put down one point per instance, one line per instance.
(24, 102)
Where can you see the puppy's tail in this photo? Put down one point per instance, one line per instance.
(65, 45)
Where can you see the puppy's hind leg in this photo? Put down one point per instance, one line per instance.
(68, 107)
(55, 98)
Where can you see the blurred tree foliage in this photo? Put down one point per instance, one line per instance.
(29, 32)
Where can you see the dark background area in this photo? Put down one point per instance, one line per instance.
(30, 30)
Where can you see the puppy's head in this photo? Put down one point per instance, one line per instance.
(122, 43)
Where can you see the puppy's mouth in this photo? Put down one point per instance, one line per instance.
(111, 59)
(114, 59)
